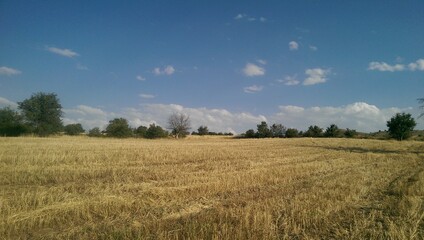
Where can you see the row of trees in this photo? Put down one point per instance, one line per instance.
(41, 115)
(399, 126)
(280, 131)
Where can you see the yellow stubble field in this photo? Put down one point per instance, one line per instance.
(210, 188)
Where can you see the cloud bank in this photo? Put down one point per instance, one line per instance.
(361, 116)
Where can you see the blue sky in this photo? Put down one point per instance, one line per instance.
(228, 64)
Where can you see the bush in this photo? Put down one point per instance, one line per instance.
(11, 123)
(292, 133)
(155, 131)
(95, 132)
(74, 129)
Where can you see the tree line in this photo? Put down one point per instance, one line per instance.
(41, 115)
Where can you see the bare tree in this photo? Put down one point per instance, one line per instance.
(421, 101)
(179, 124)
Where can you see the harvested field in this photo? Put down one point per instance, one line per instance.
(210, 188)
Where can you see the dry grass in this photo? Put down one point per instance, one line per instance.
(210, 188)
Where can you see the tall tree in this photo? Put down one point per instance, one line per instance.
(43, 112)
(277, 130)
(263, 130)
(401, 125)
(313, 131)
(11, 123)
(332, 131)
(119, 128)
(179, 124)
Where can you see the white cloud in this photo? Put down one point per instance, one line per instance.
(262, 19)
(239, 16)
(9, 71)
(7, 103)
(252, 70)
(418, 65)
(251, 19)
(313, 48)
(289, 81)
(168, 70)
(147, 96)
(293, 45)
(140, 78)
(253, 89)
(315, 76)
(384, 67)
(261, 61)
(360, 116)
(63, 52)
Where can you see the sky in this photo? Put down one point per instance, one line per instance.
(227, 64)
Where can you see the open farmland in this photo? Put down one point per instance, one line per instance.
(210, 188)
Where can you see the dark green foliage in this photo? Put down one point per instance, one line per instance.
(155, 131)
(292, 133)
(350, 133)
(332, 131)
(401, 125)
(313, 131)
(277, 130)
(263, 130)
(203, 130)
(250, 133)
(11, 123)
(74, 129)
(119, 128)
(140, 132)
(95, 132)
(42, 112)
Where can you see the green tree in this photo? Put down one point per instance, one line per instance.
(277, 130)
(74, 129)
(401, 125)
(313, 131)
(119, 128)
(11, 123)
(332, 131)
(350, 133)
(179, 124)
(155, 131)
(95, 132)
(140, 131)
(263, 130)
(42, 112)
(250, 133)
(292, 133)
(203, 130)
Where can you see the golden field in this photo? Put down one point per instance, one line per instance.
(210, 188)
